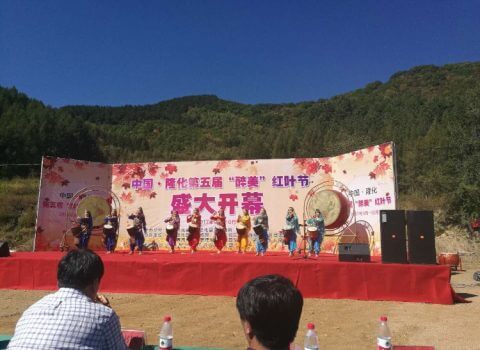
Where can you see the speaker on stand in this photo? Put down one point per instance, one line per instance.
(392, 236)
(421, 237)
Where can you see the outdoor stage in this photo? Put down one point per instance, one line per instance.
(208, 273)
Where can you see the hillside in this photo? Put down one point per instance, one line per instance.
(431, 113)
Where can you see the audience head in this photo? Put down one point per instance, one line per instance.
(270, 307)
(81, 270)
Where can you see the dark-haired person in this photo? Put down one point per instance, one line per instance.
(194, 227)
(173, 222)
(244, 221)
(291, 220)
(316, 221)
(86, 223)
(220, 238)
(262, 239)
(110, 233)
(72, 317)
(140, 226)
(270, 308)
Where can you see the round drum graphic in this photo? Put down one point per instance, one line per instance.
(98, 207)
(334, 206)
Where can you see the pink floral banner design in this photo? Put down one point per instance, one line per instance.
(349, 189)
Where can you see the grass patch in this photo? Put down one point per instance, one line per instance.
(18, 210)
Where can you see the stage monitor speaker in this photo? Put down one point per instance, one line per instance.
(4, 250)
(393, 239)
(421, 237)
(354, 252)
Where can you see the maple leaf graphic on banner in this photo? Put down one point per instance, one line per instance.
(152, 169)
(171, 168)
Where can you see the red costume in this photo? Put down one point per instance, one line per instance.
(220, 231)
(195, 221)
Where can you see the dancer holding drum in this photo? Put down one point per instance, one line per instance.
(76, 230)
(173, 224)
(261, 229)
(110, 229)
(244, 225)
(137, 231)
(220, 238)
(290, 230)
(195, 222)
(86, 225)
(316, 231)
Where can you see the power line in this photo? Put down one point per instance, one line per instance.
(6, 165)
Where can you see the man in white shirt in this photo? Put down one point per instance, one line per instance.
(71, 318)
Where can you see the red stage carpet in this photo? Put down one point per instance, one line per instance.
(208, 273)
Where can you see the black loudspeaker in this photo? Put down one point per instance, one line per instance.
(421, 237)
(4, 250)
(353, 252)
(392, 236)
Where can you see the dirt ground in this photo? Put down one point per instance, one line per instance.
(341, 324)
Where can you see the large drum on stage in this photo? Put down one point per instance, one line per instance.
(258, 229)
(76, 231)
(218, 229)
(450, 259)
(192, 228)
(108, 230)
(334, 206)
(131, 231)
(241, 229)
(218, 232)
(287, 233)
(312, 232)
(170, 228)
(260, 232)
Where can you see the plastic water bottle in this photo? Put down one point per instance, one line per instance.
(311, 339)
(384, 338)
(166, 334)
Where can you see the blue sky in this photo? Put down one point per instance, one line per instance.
(139, 52)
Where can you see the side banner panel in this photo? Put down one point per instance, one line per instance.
(67, 188)
(349, 189)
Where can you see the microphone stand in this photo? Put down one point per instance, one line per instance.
(304, 241)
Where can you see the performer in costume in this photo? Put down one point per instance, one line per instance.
(291, 220)
(86, 223)
(193, 238)
(317, 221)
(243, 219)
(110, 234)
(173, 220)
(140, 226)
(262, 239)
(220, 238)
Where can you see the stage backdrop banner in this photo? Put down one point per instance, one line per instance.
(67, 188)
(349, 189)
